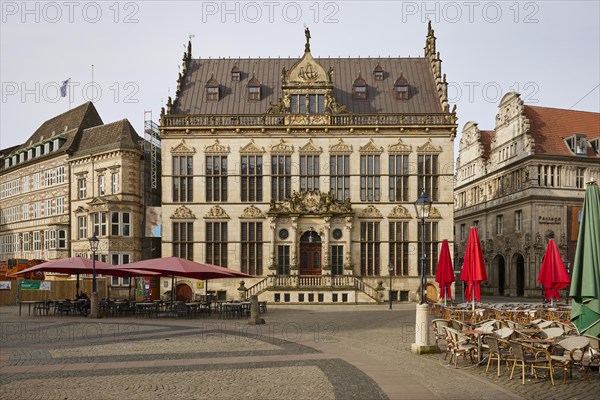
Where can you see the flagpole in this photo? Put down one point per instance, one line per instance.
(93, 89)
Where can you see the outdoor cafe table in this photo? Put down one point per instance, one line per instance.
(479, 335)
(535, 341)
(30, 303)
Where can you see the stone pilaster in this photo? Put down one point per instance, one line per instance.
(348, 267)
(294, 249)
(326, 263)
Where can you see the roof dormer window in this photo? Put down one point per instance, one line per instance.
(401, 88)
(359, 88)
(378, 73)
(212, 89)
(236, 74)
(595, 143)
(254, 89)
(578, 144)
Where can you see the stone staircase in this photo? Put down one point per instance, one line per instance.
(319, 284)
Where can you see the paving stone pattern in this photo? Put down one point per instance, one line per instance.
(303, 352)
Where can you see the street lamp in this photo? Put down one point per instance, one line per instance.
(94, 241)
(423, 207)
(391, 270)
(421, 344)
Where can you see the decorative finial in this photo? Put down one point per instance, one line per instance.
(307, 45)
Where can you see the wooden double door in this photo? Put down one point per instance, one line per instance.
(310, 253)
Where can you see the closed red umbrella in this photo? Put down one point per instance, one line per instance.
(553, 275)
(473, 271)
(445, 272)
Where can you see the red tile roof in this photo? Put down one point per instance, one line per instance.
(550, 126)
(486, 137)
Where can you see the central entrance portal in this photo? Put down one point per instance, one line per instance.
(310, 254)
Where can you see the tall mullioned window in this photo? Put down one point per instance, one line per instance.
(339, 176)
(309, 173)
(399, 177)
(281, 177)
(216, 243)
(252, 248)
(370, 178)
(183, 240)
(216, 178)
(399, 250)
(428, 175)
(252, 179)
(369, 248)
(183, 172)
(431, 248)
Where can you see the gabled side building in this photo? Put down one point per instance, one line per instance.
(74, 177)
(521, 185)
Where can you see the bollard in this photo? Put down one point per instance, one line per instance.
(255, 318)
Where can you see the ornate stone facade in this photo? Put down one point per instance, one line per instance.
(311, 173)
(522, 184)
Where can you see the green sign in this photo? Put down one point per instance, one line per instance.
(35, 285)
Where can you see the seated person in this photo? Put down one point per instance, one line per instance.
(81, 296)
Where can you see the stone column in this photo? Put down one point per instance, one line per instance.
(326, 262)
(272, 259)
(348, 267)
(294, 249)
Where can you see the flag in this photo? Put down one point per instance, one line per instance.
(63, 88)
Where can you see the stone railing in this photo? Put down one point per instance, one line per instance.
(257, 288)
(227, 120)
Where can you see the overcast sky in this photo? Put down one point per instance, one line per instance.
(546, 50)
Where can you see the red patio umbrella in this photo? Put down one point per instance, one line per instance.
(553, 275)
(169, 266)
(80, 265)
(473, 270)
(445, 272)
(176, 266)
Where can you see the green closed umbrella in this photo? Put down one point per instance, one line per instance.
(585, 282)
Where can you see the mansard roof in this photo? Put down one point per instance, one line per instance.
(550, 126)
(116, 135)
(233, 100)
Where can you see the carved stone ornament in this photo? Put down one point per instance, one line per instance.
(311, 202)
(216, 212)
(340, 148)
(371, 148)
(252, 212)
(217, 148)
(399, 212)
(310, 149)
(370, 212)
(434, 213)
(182, 212)
(183, 149)
(80, 210)
(252, 148)
(282, 148)
(399, 148)
(429, 148)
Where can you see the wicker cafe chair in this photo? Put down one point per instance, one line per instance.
(460, 345)
(527, 356)
(592, 359)
(498, 352)
(569, 353)
(438, 329)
